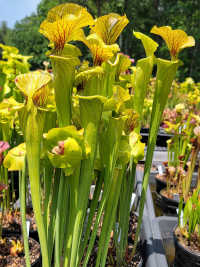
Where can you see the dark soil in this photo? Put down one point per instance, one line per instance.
(111, 258)
(12, 221)
(193, 244)
(8, 260)
(163, 178)
(170, 193)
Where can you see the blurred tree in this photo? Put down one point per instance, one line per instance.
(142, 14)
(29, 41)
(4, 32)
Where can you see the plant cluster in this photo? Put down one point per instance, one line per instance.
(79, 126)
(189, 221)
(186, 93)
(183, 149)
(11, 65)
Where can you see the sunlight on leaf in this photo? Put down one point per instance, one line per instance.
(109, 27)
(83, 76)
(14, 160)
(176, 40)
(100, 51)
(8, 108)
(137, 147)
(66, 148)
(34, 86)
(150, 45)
(124, 62)
(64, 23)
(7, 50)
(120, 95)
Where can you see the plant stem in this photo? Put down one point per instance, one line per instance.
(190, 171)
(198, 179)
(166, 71)
(58, 246)
(74, 186)
(51, 214)
(109, 216)
(33, 135)
(48, 180)
(90, 122)
(22, 195)
(93, 207)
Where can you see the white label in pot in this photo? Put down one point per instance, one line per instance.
(28, 227)
(160, 169)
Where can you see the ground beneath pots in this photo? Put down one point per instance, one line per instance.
(7, 260)
(111, 258)
(193, 244)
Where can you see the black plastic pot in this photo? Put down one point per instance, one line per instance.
(168, 205)
(184, 256)
(160, 184)
(38, 261)
(158, 237)
(162, 137)
(32, 234)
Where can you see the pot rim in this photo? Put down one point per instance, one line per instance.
(169, 199)
(36, 260)
(195, 253)
(159, 175)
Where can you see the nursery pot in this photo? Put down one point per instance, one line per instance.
(37, 262)
(168, 205)
(15, 227)
(183, 255)
(162, 137)
(35, 254)
(160, 183)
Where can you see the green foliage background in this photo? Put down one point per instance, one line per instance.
(142, 14)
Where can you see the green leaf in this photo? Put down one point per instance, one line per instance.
(64, 75)
(137, 147)
(66, 148)
(35, 87)
(142, 77)
(14, 160)
(124, 153)
(90, 81)
(149, 44)
(109, 27)
(123, 64)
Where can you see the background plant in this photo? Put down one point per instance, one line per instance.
(175, 13)
(11, 65)
(188, 219)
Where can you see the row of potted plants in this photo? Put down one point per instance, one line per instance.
(186, 93)
(181, 173)
(177, 183)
